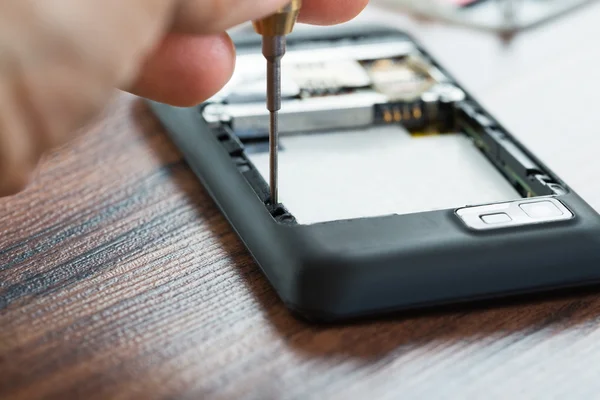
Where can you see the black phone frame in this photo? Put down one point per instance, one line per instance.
(370, 266)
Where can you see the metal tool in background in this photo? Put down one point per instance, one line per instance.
(273, 30)
(499, 16)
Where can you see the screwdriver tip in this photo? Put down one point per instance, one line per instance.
(273, 156)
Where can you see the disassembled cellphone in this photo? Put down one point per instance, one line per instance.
(397, 189)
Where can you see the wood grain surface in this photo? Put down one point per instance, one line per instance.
(119, 279)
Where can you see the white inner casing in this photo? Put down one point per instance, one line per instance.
(381, 171)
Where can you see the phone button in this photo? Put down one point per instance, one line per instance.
(497, 218)
(541, 209)
(514, 213)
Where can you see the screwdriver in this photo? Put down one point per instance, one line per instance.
(273, 30)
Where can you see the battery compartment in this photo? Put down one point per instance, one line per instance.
(431, 107)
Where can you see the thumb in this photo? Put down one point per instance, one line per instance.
(215, 16)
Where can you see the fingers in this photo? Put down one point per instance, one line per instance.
(215, 16)
(15, 145)
(186, 69)
(72, 53)
(330, 12)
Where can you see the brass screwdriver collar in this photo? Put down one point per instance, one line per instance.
(281, 22)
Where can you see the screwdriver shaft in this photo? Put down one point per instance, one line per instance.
(273, 50)
(273, 30)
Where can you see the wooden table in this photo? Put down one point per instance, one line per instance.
(119, 279)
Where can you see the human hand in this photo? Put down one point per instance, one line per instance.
(60, 61)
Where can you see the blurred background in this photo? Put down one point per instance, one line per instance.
(507, 16)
